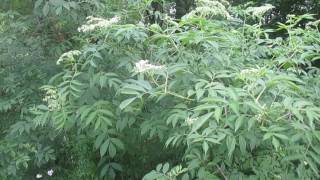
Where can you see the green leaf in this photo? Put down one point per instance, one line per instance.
(73, 4)
(99, 140)
(275, 143)
(315, 157)
(313, 166)
(126, 102)
(66, 5)
(118, 143)
(231, 144)
(153, 175)
(90, 118)
(116, 166)
(45, 9)
(185, 177)
(199, 93)
(214, 141)
(201, 121)
(267, 136)
(58, 10)
(205, 107)
(165, 168)
(158, 168)
(218, 113)
(294, 157)
(205, 147)
(281, 136)
(38, 3)
(251, 123)
(238, 123)
(112, 150)
(235, 107)
(242, 144)
(104, 147)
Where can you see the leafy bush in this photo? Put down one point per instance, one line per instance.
(208, 97)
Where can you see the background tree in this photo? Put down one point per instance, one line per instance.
(183, 7)
(284, 8)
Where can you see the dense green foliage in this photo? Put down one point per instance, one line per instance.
(109, 89)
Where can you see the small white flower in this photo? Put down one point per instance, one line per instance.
(190, 120)
(141, 23)
(38, 176)
(172, 10)
(50, 172)
(143, 65)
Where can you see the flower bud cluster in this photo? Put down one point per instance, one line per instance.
(51, 98)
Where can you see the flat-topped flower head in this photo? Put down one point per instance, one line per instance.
(261, 10)
(143, 66)
(249, 71)
(68, 56)
(252, 73)
(94, 23)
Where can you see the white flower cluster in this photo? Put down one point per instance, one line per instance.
(52, 99)
(249, 71)
(50, 173)
(96, 23)
(245, 73)
(260, 11)
(210, 9)
(172, 10)
(313, 24)
(190, 120)
(38, 176)
(143, 66)
(68, 55)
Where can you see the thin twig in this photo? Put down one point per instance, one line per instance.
(222, 173)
